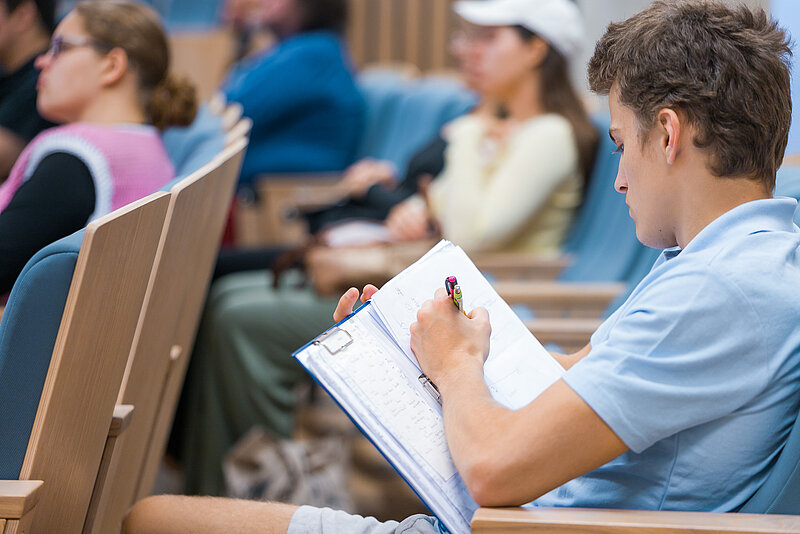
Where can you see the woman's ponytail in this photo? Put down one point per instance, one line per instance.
(173, 102)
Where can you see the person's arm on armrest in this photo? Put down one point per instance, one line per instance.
(505, 457)
(55, 201)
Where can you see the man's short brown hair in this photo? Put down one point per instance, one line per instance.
(725, 68)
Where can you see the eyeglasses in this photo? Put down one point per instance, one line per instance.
(61, 44)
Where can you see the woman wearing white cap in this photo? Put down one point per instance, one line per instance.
(513, 181)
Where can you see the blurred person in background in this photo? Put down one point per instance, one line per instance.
(524, 153)
(512, 179)
(25, 28)
(105, 80)
(307, 113)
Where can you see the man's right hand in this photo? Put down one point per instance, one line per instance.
(348, 300)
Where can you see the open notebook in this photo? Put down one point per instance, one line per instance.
(366, 364)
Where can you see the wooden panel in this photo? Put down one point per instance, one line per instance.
(586, 521)
(559, 299)
(792, 160)
(89, 358)
(204, 57)
(520, 265)
(271, 221)
(570, 334)
(171, 312)
(186, 329)
(399, 31)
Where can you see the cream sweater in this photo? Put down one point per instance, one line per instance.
(520, 196)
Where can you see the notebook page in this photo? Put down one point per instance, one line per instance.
(377, 386)
(518, 368)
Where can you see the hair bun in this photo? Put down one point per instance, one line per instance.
(173, 102)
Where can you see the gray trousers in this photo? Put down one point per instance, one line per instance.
(242, 373)
(310, 520)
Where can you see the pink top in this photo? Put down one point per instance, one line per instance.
(127, 162)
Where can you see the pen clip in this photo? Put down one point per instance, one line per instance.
(430, 387)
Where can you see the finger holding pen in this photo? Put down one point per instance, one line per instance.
(446, 342)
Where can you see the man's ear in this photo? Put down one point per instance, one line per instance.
(116, 65)
(670, 130)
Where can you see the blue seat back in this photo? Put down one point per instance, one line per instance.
(28, 333)
(780, 493)
(192, 147)
(603, 239)
(404, 115)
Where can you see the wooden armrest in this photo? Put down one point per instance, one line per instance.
(586, 521)
(505, 265)
(570, 334)
(556, 299)
(301, 191)
(121, 419)
(792, 160)
(18, 497)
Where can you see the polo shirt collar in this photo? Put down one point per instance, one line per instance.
(766, 215)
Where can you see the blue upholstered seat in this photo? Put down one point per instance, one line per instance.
(603, 240)
(780, 493)
(28, 333)
(404, 115)
(192, 147)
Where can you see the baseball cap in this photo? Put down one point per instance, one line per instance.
(557, 21)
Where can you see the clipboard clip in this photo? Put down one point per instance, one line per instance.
(334, 340)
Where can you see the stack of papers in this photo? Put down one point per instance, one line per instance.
(366, 364)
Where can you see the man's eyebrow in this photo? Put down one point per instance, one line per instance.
(611, 132)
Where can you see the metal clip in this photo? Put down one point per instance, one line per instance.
(430, 387)
(334, 340)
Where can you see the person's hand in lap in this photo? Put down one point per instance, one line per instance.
(409, 221)
(360, 176)
(349, 299)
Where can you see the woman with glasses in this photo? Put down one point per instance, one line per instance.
(105, 81)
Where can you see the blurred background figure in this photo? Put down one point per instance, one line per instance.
(513, 177)
(299, 92)
(105, 80)
(25, 28)
(523, 153)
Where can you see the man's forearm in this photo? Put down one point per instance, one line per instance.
(473, 420)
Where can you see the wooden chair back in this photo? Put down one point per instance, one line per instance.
(88, 361)
(166, 328)
(184, 341)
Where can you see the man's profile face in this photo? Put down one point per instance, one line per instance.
(642, 177)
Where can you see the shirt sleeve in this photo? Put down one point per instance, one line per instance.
(482, 206)
(54, 202)
(683, 352)
(282, 81)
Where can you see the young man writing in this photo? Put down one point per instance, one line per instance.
(687, 393)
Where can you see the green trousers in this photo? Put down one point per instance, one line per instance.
(242, 373)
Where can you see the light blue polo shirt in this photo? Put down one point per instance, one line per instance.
(698, 372)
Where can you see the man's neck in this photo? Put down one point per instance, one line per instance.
(26, 47)
(711, 198)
